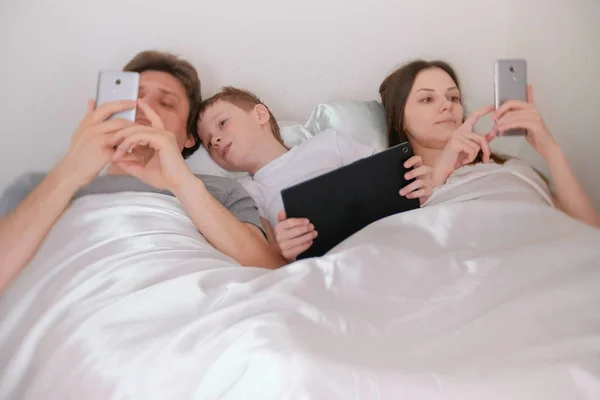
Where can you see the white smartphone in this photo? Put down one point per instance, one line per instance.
(118, 85)
(510, 83)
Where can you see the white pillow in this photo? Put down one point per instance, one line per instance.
(293, 133)
(200, 162)
(364, 121)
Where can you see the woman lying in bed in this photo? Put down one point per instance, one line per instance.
(423, 104)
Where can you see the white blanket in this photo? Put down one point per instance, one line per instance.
(486, 293)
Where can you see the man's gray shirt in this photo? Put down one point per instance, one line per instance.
(227, 191)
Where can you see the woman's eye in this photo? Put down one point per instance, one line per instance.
(426, 100)
(166, 104)
(455, 99)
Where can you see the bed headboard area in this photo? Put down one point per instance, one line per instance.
(297, 55)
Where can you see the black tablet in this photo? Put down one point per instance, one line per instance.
(341, 202)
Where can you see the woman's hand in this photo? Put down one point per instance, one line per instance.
(515, 114)
(422, 186)
(570, 194)
(463, 148)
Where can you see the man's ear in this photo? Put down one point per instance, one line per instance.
(190, 141)
(262, 113)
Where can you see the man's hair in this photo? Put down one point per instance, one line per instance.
(243, 99)
(185, 73)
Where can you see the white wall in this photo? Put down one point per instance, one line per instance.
(560, 39)
(294, 54)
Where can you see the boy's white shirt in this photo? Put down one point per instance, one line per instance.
(326, 151)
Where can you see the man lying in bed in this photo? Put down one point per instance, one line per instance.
(145, 156)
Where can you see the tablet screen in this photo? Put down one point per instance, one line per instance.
(342, 202)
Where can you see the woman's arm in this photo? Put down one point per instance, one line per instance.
(571, 198)
(570, 195)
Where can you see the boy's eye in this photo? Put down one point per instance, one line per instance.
(222, 123)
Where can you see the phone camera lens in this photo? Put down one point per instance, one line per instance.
(405, 150)
(118, 81)
(512, 69)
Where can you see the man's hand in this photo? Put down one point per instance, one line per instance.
(90, 151)
(166, 168)
(24, 229)
(294, 236)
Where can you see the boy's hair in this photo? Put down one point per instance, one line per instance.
(243, 99)
(185, 73)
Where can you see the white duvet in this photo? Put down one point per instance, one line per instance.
(486, 293)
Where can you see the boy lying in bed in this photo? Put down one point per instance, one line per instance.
(241, 134)
(147, 156)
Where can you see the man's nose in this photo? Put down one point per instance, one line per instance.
(141, 97)
(148, 100)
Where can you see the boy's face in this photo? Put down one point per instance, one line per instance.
(232, 135)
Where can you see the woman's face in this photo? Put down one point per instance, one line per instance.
(433, 109)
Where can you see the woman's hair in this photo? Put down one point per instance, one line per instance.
(394, 92)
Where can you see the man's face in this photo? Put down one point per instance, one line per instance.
(167, 97)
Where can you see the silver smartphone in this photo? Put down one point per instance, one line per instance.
(118, 85)
(510, 83)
